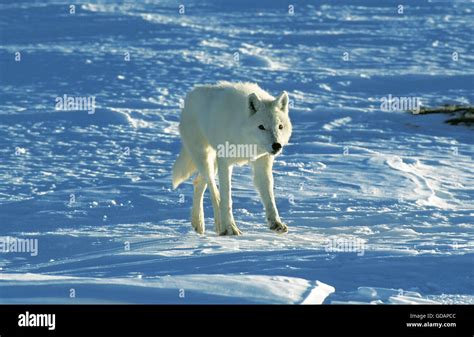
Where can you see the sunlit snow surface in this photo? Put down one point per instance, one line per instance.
(90, 186)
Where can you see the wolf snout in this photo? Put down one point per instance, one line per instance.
(276, 147)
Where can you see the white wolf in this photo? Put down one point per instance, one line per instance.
(238, 114)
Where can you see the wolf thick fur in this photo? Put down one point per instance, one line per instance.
(239, 114)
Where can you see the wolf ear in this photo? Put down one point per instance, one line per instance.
(282, 101)
(254, 103)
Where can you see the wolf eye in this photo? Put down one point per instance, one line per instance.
(280, 126)
(261, 127)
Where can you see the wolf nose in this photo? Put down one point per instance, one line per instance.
(276, 147)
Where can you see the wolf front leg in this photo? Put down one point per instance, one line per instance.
(228, 226)
(263, 180)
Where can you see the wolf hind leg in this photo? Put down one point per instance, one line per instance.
(207, 170)
(210, 168)
(204, 158)
(197, 213)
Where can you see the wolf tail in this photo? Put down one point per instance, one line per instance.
(183, 167)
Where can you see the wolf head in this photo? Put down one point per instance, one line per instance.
(269, 125)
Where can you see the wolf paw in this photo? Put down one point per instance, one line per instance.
(232, 229)
(197, 221)
(278, 227)
(198, 227)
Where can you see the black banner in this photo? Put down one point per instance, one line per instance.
(236, 320)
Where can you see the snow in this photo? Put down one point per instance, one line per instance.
(189, 289)
(379, 203)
